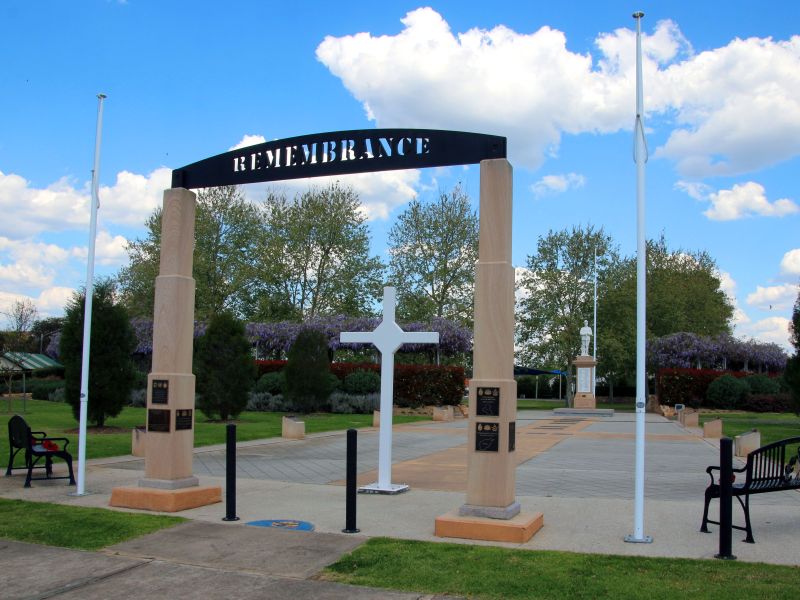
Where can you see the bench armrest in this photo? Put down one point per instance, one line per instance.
(57, 439)
(709, 469)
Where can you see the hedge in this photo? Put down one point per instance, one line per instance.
(414, 385)
(687, 386)
(269, 366)
(767, 403)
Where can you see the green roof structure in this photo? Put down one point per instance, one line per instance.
(25, 361)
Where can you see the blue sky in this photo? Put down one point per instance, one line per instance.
(187, 80)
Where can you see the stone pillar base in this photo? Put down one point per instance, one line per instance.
(490, 512)
(518, 529)
(160, 500)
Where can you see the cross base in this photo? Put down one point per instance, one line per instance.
(391, 489)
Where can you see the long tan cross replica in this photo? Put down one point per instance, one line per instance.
(387, 338)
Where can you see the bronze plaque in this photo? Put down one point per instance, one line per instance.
(158, 420)
(160, 392)
(512, 436)
(487, 436)
(183, 419)
(488, 402)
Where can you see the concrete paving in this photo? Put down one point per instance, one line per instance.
(577, 471)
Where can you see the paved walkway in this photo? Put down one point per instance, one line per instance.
(577, 471)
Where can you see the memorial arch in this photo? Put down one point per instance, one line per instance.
(490, 510)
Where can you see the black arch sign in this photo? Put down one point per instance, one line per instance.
(339, 153)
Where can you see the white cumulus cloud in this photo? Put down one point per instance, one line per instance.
(248, 140)
(734, 108)
(772, 330)
(557, 184)
(64, 205)
(790, 263)
(775, 297)
(746, 200)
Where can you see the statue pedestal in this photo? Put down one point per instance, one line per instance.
(584, 393)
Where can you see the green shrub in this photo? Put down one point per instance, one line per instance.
(57, 395)
(526, 386)
(341, 402)
(41, 389)
(727, 392)
(138, 398)
(266, 402)
(308, 378)
(761, 384)
(362, 382)
(111, 370)
(49, 372)
(224, 368)
(270, 383)
(686, 386)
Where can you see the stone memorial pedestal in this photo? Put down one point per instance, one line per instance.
(168, 484)
(491, 511)
(584, 394)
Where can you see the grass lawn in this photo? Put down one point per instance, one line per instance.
(489, 572)
(56, 418)
(773, 426)
(75, 526)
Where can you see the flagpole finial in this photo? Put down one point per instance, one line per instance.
(638, 15)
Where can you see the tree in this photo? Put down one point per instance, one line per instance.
(226, 242)
(227, 229)
(557, 294)
(684, 294)
(308, 376)
(792, 373)
(43, 330)
(21, 317)
(315, 257)
(137, 280)
(224, 368)
(111, 370)
(433, 248)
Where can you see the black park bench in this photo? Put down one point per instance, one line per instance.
(36, 445)
(768, 469)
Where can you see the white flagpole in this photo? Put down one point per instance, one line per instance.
(594, 329)
(87, 313)
(640, 156)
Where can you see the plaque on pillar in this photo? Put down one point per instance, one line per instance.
(488, 402)
(160, 391)
(512, 436)
(487, 437)
(158, 420)
(183, 419)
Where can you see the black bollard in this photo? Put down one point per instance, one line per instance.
(230, 473)
(350, 510)
(725, 499)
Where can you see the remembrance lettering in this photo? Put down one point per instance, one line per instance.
(332, 151)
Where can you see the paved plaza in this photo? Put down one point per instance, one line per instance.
(578, 471)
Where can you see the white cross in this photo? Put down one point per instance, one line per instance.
(387, 338)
